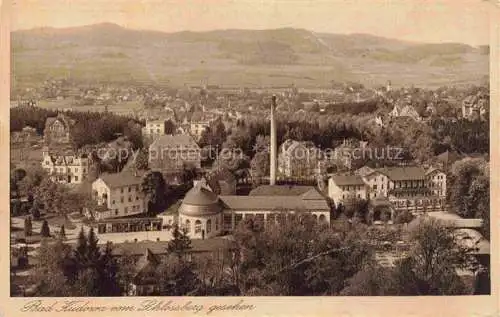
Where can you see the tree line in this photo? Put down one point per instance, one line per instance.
(297, 257)
(90, 127)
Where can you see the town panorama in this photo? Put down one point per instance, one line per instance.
(262, 170)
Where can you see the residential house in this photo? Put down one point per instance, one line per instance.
(67, 167)
(436, 179)
(173, 153)
(404, 187)
(58, 129)
(118, 195)
(342, 188)
(404, 111)
(152, 260)
(474, 107)
(298, 159)
(156, 128)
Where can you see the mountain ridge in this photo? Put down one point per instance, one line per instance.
(107, 50)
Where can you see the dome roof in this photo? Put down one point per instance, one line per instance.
(200, 201)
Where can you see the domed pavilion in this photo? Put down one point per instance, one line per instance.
(201, 213)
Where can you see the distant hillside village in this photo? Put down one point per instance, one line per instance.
(208, 168)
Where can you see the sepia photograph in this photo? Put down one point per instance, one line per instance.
(248, 148)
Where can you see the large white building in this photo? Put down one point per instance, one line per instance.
(118, 195)
(65, 168)
(156, 128)
(204, 214)
(404, 187)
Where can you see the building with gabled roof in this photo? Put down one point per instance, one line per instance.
(58, 129)
(65, 166)
(172, 153)
(344, 187)
(298, 159)
(410, 187)
(118, 195)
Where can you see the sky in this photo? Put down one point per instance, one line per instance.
(431, 21)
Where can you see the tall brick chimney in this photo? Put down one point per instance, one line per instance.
(272, 177)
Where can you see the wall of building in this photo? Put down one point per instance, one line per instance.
(73, 173)
(437, 183)
(231, 218)
(378, 185)
(211, 225)
(122, 201)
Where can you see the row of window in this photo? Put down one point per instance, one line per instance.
(358, 196)
(66, 169)
(354, 187)
(198, 227)
(122, 199)
(134, 209)
(129, 188)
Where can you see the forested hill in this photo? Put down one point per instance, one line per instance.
(109, 52)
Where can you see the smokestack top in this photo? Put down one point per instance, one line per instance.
(273, 98)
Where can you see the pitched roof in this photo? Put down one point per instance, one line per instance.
(432, 170)
(122, 179)
(273, 203)
(160, 247)
(363, 171)
(67, 122)
(312, 194)
(403, 173)
(280, 190)
(343, 180)
(174, 141)
(148, 268)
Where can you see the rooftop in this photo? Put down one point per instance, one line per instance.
(403, 173)
(174, 141)
(280, 190)
(277, 203)
(160, 247)
(126, 178)
(344, 180)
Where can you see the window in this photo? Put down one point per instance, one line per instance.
(197, 226)
(209, 225)
(375, 187)
(187, 226)
(126, 209)
(76, 178)
(129, 199)
(237, 218)
(217, 224)
(116, 212)
(84, 170)
(121, 191)
(76, 170)
(136, 198)
(129, 189)
(121, 200)
(227, 221)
